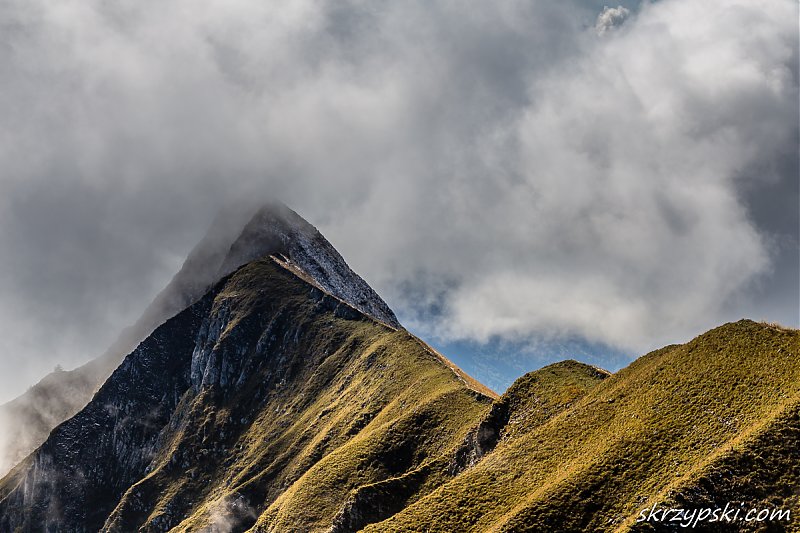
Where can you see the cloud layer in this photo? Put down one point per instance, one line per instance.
(493, 170)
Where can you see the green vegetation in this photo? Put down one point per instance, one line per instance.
(666, 422)
(271, 406)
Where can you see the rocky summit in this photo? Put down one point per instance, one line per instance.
(236, 237)
(280, 394)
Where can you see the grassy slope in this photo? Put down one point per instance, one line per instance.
(660, 424)
(760, 470)
(353, 403)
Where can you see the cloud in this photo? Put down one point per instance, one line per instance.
(498, 168)
(609, 205)
(610, 18)
(229, 514)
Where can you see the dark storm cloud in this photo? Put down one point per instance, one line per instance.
(500, 166)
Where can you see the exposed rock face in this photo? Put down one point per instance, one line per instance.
(258, 399)
(236, 237)
(92, 458)
(277, 230)
(481, 439)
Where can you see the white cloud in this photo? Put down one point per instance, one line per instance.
(609, 207)
(498, 162)
(611, 18)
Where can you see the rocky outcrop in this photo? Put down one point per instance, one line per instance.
(278, 231)
(482, 438)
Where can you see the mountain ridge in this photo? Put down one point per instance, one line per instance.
(287, 398)
(237, 235)
(212, 353)
(597, 457)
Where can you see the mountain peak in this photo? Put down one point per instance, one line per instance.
(271, 230)
(239, 234)
(277, 231)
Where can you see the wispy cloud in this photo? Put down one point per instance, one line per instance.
(610, 18)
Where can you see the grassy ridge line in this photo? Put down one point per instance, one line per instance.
(465, 378)
(628, 438)
(744, 370)
(534, 400)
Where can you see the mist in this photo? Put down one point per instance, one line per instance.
(508, 170)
